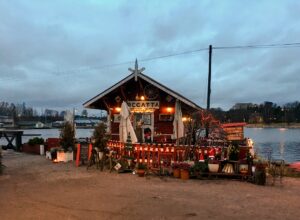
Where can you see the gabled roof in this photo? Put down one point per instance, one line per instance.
(147, 79)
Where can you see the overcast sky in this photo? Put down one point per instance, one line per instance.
(52, 53)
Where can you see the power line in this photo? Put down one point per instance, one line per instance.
(130, 62)
(95, 67)
(257, 46)
(174, 54)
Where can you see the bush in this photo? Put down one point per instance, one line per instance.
(36, 140)
(141, 166)
(184, 166)
(175, 166)
(201, 167)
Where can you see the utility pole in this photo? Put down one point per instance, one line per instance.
(208, 87)
(74, 125)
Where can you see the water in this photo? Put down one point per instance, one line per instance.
(50, 133)
(54, 133)
(284, 143)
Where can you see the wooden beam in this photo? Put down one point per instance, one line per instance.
(141, 86)
(105, 103)
(123, 93)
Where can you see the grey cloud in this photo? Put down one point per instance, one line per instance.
(59, 48)
(8, 73)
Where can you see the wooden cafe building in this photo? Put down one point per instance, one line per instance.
(151, 104)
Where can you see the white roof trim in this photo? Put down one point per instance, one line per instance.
(148, 79)
(163, 88)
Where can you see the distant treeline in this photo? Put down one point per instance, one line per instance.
(20, 112)
(267, 112)
(11, 109)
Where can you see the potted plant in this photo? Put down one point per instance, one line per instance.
(39, 144)
(36, 145)
(141, 169)
(198, 169)
(185, 170)
(36, 140)
(213, 165)
(67, 142)
(100, 139)
(67, 137)
(176, 170)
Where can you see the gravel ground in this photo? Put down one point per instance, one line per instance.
(33, 187)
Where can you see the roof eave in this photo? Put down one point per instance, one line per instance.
(105, 92)
(149, 80)
(169, 91)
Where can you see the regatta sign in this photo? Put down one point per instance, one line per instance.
(142, 105)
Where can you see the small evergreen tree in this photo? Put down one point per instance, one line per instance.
(100, 136)
(67, 136)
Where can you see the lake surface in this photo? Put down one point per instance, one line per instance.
(283, 143)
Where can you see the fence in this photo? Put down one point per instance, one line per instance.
(156, 154)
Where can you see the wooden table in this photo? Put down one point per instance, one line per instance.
(10, 135)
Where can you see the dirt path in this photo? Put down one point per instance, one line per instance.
(35, 188)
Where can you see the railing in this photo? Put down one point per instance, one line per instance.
(152, 154)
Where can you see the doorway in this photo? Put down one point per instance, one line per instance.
(143, 126)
